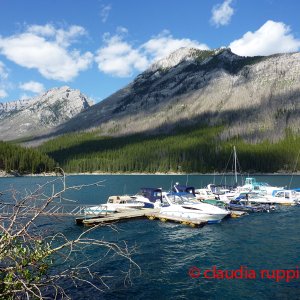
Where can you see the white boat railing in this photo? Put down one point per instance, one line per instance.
(53, 209)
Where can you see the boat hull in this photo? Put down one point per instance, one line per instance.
(187, 214)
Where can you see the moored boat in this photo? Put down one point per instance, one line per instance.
(114, 204)
(150, 197)
(251, 185)
(177, 205)
(284, 197)
(247, 206)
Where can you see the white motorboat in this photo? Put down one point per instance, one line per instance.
(253, 197)
(204, 194)
(284, 197)
(114, 204)
(122, 203)
(260, 187)
(179, 205)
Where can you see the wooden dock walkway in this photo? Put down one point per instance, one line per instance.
(116, 217)
(151, 214)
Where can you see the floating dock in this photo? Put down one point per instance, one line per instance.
(184, 221)
(151, 214)
(117, 217)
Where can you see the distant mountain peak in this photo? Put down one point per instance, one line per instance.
(42, 113)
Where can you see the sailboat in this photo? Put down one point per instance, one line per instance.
(242, 203)
(224, 192)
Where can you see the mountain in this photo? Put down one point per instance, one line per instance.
(40, 115)
(7, 107)
(254, 97)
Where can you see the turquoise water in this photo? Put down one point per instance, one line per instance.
(165, 252)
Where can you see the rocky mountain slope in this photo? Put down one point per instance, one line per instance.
(255, 97)
(7, 107)
(40, 115)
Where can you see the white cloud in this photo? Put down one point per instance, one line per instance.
(45, 30)
(120, 58)
(61, 36)
(3, 93)
(104, 13)
(164, 44)
(272, 37)
(32, 86)
(46, 49)
(222, 13)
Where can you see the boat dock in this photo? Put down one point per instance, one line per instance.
(151, 214)
(183, 221)
(116, 217)
(78, 211)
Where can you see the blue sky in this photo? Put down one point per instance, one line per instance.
(99, 46)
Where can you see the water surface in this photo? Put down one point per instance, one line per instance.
(166, 251)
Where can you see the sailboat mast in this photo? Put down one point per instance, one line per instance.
(235, 170)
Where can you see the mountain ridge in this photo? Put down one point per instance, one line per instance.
(256, 97)
(252, 97)
(41, 114)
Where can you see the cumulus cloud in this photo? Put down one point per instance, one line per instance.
(120, 58)
(61, 36)
(47, 49)
(32, 86)
(163, 44)
(272, 37)
(222, 13)
(104, 13)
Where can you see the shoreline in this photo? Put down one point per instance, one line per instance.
(3, 174)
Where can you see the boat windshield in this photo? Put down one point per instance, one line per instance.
(189, 197)
(175, 199)
(182, 199)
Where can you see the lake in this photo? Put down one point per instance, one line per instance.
(255, 252)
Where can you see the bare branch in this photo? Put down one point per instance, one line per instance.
(27, 254)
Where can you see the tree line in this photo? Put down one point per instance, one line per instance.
(24, 160)
(186, 150)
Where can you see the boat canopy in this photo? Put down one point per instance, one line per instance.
(153, 194)
(184, 189)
